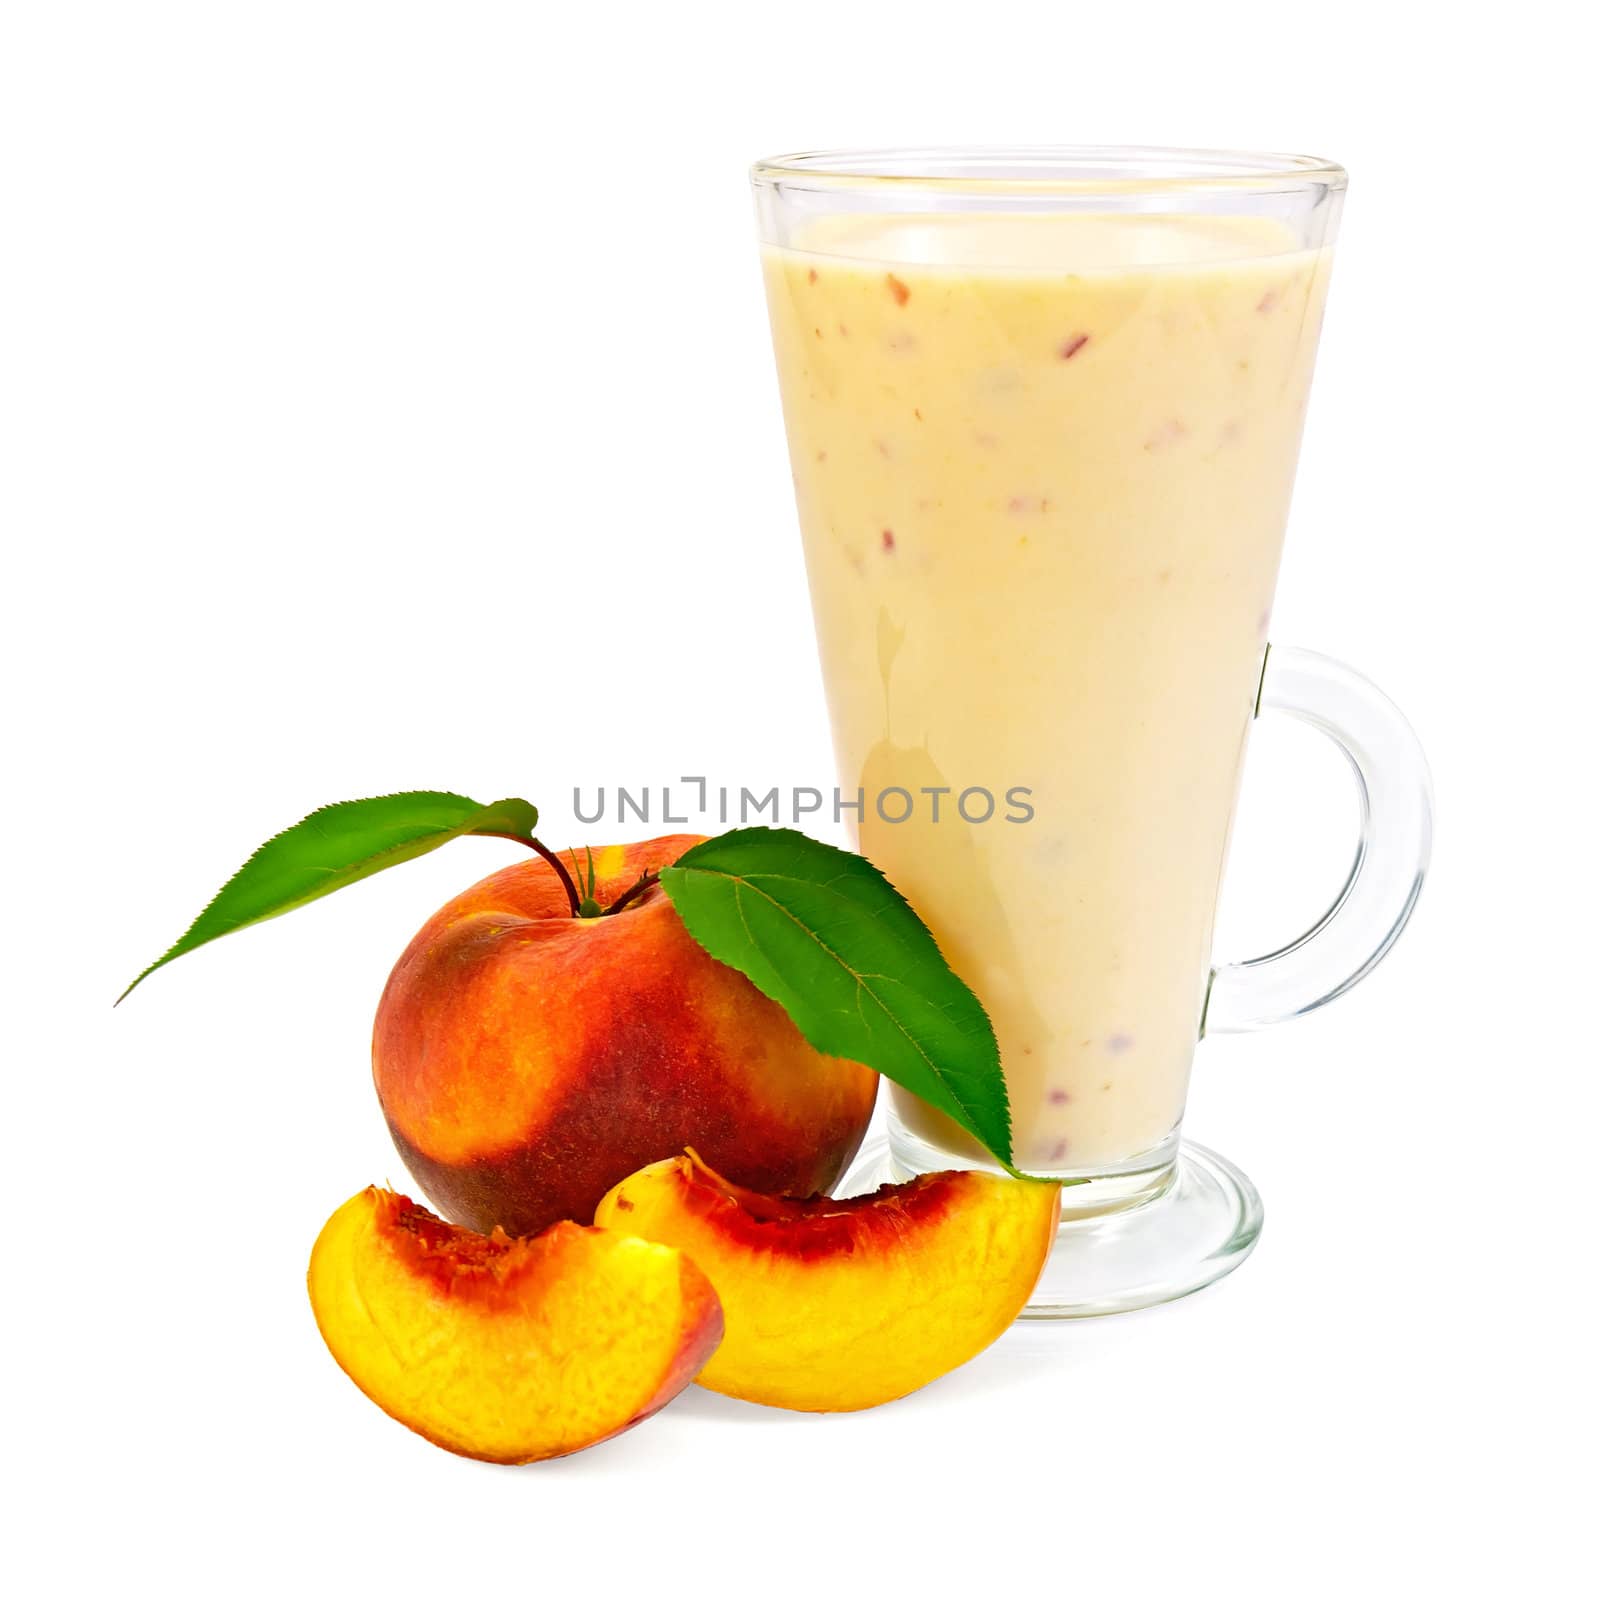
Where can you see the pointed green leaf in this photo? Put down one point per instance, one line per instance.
(826, 935)
(338, 845)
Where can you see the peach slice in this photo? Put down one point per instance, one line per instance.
(507, 1349)
(836, 1305)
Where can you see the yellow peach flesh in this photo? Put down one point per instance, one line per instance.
(836, 1305)
(507, 1350)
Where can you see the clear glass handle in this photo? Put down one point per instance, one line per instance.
(1354, 934)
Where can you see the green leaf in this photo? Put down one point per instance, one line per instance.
(827, 936)
(338, 845)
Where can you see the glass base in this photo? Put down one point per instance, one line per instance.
(1193, 1225)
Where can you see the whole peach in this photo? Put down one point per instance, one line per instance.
(527, 1059)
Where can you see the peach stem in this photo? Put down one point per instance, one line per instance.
(645, 880)
(561, 872)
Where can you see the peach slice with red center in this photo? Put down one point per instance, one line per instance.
(505, 1349)
(836, 1305)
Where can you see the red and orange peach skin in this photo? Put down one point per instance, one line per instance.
(527, 1060)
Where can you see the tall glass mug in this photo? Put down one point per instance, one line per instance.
(1043, 409)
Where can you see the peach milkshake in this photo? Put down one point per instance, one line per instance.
(1043, 464)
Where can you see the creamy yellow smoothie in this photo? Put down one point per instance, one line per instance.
(1043, 466)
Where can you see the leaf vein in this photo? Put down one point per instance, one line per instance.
(736, 879)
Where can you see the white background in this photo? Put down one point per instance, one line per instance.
(388, 404)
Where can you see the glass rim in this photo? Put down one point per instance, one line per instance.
(1046, 169)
